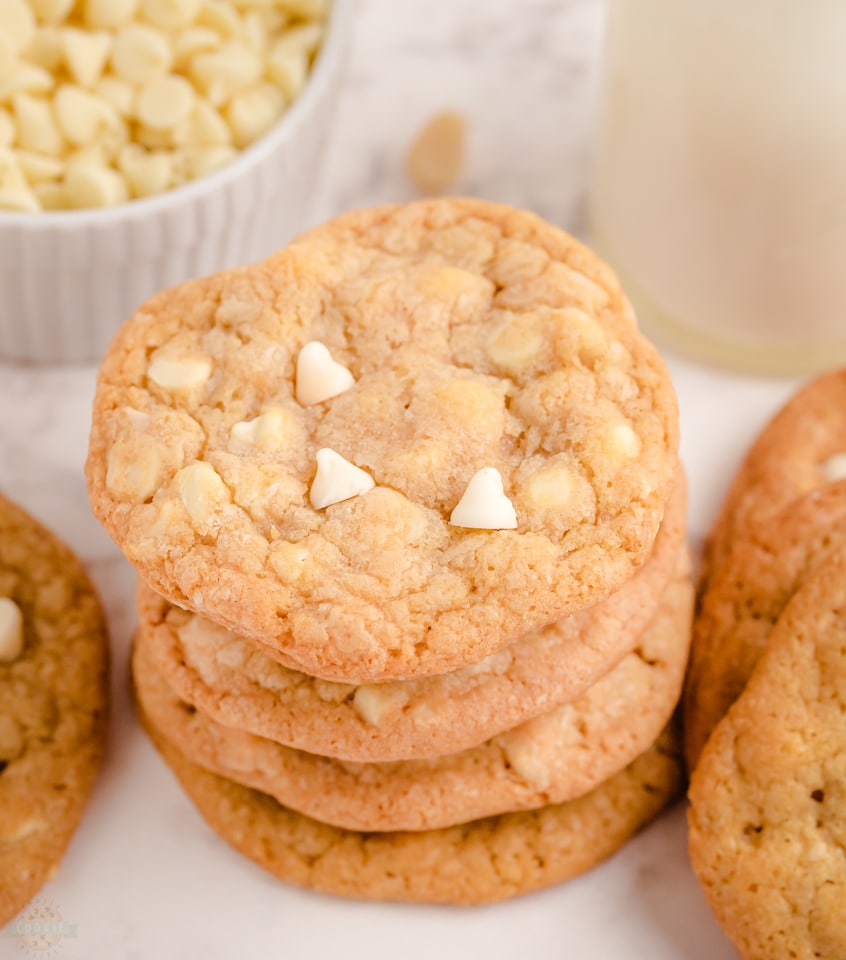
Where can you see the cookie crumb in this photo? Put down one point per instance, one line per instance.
(436, 157)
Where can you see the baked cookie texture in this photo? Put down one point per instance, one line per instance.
(744, 598)
(477, 336)
(233, 682)
(798, 451)
(480, 862)
(557, 756)
(53, 705)
(767, 825)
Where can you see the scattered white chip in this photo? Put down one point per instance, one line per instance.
(484, 505)
(11, 630)
(319, 377)
(835, 467)
(337, 479)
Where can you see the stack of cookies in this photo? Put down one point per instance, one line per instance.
(406, 504)
(765, 701)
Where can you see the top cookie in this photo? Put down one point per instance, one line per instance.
(473, 336)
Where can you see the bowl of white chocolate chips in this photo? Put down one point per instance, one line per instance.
(143, 142)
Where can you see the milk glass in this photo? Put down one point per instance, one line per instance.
(719, 193)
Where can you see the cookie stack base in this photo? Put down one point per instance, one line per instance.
(480, 862)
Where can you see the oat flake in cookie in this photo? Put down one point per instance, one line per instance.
(476, 336)
(53, 676)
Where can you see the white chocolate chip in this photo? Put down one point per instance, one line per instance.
(252, 113)
(515, 342)
(624, 441)
(14, 832)
(109, 13)
(170, 14)
(86, 54)
(47, 49)
(319, 377)
(11, 630)
(37, 167)
(372, 702)
(17, 23)
(219, 16)
(524, 760)
(83, 116)
(179, 374)
(835, 467)
(146, 172)
(15, 192)
(94, 186)
(37, 129)
(193, 41)
(266, 431)
(191, 163)
(52, 11)
(141, 54)
(337, 479)
(550, 488)
(25, 78)
(51, 196)
(165, 102)
(222, 73)
(288, 67)
(203, 127)
(484, 505)
(201, 490)
(7, 128)
(119, 93)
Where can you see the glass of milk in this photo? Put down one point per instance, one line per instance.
(719, 192)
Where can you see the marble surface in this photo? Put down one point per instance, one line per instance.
(144, 877)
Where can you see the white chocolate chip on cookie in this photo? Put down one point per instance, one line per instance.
(319, 377)
(266, 431)
(372, 702)
(515, 342)
(11, 630)
(201, 490)
(337, 479)
(179, 374)
(484, 505)
(550, 488)
(524, 760)
(835, 467)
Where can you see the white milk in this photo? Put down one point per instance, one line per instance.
(720, 186)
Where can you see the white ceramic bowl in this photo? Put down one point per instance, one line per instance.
(68, 279)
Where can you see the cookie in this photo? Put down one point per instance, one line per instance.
(555, 757)
(803, 447)
(745, 596)
(480, 862)
(403, 442)
(232, 681)
(53, 689)
(768, 797)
